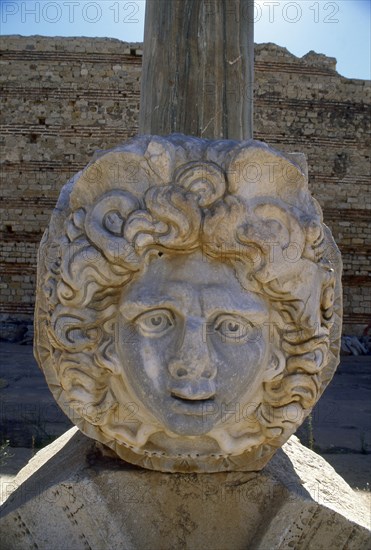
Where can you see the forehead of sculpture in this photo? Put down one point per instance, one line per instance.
(189, 282)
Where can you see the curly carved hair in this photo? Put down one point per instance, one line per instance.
(111, 231)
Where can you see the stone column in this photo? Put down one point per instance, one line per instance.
(198, 68)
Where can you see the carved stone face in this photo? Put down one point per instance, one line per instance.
(175, 359)
(192, 342)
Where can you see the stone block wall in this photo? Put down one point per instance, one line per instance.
(64, 98)
(304, 104)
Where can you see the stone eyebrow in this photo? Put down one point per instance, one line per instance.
(229, 304)
(136, 302)
(131, 308)
(211, 306)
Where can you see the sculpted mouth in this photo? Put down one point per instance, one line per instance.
(197, 390)
(193, 405)
(193, 395)
(191, 400)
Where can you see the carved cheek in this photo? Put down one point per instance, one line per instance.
(251, 351)
(153, 356)
(150, 360)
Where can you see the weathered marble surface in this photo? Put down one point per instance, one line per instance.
(188, 311)
(203, 86)
(69, 496)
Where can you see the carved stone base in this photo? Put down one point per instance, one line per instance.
(71, 496)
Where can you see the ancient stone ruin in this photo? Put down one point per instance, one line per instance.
(188, 315)
(176, 330)
(188, 318)
(85, 95)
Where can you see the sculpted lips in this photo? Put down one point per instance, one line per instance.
(193, 399)
(196, 407)
(193, 391)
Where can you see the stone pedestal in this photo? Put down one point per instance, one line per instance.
(72, 496)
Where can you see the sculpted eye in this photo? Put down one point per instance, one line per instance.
(232, 328)
(156, 322)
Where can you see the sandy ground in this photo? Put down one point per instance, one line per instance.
(340, 428)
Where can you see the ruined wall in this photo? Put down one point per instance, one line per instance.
(64, 98)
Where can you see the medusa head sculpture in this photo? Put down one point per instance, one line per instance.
(188, 309)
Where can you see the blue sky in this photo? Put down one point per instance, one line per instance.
(338, 29)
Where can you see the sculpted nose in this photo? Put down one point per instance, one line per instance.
(192, 361)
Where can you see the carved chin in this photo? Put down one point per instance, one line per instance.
(220, 449)
(128, 427)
